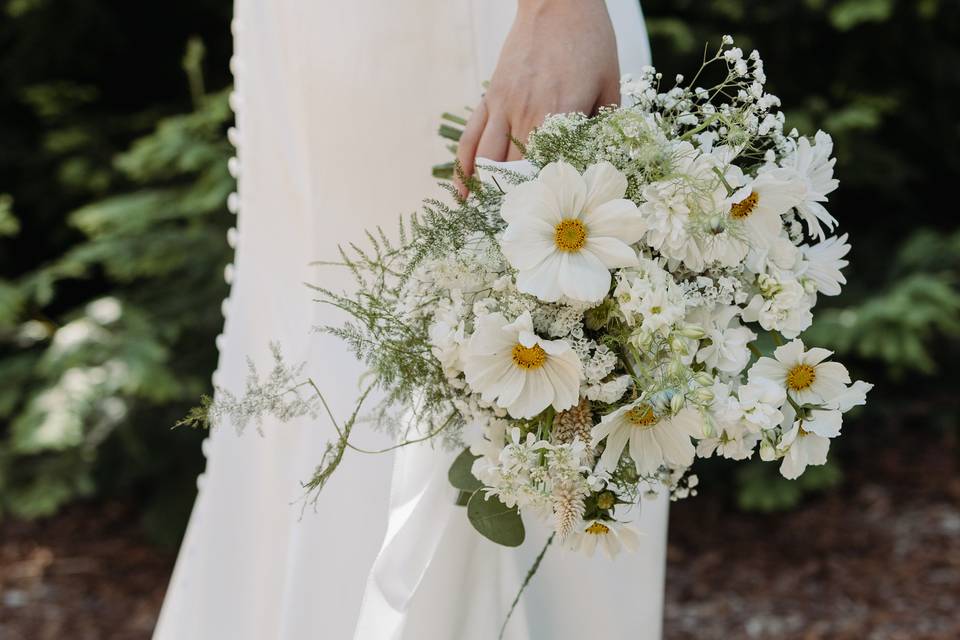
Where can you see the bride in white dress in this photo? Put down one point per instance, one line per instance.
(337, 105)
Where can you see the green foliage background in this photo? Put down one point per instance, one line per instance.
(113, 182)
(113, 178)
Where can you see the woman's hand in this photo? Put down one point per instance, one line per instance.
(560, 56)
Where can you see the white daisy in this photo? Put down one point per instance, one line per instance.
(822, 264)
(813, 165)
(507, 363)
(654, 440)
(565, 231)
(759, 205)
(803, 374)
(609, 535)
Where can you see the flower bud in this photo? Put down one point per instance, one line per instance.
(676, 403)
(704, 379)
(678, 345)
(692, 331)
(704, 395)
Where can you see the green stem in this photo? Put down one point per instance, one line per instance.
(526, 581)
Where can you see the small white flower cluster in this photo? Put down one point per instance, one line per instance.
(607, 331)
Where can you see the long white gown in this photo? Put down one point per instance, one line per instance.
(337, 106)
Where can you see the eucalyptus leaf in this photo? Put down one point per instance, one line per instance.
(495, 520)
(461, 474)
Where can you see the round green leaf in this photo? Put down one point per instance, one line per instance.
(495, 520)
(460, 473)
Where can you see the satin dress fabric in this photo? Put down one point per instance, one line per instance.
(337, 106)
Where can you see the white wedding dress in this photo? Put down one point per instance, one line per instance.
(337, 106)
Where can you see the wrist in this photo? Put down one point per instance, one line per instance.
(527, 8)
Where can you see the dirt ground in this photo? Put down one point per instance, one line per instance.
(876, 560)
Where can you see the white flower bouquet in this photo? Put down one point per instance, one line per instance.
(588, 322)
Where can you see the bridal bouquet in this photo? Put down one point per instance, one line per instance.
(588, 322)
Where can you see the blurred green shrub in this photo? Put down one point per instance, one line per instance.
(112, 248)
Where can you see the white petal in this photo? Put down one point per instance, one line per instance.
(611, 252)
(645, 451)
(768, 369)
(567, 186)
(824, 423)
(564, 379)
(543, 280)
(854, 395)
(535, 397)
(530, 199)
(583, 277)
(511, 387)
(606, 425)
(616, 442)
(816, 355)
(831, 380)
(527, 242)
(790, 353)
(616, 219)
(604, 183)
(674, 443)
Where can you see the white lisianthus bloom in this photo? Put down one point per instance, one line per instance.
(649, 295)
(653, 440)
(730, 437)
(510, 365)
(803, 374)
(779, 255)
(759, 404)
(447, 334)
(785, 307)
(814, 166)
(728, 350)
(609, 391)
(822, 263)
(759, 205)
(609, 535)
(684, 212)
(565, 231)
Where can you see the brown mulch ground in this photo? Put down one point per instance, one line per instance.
(877, 560)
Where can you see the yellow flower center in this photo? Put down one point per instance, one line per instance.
(598, 529)
(801, 377)
(642, 416)
(570, 235)
(743, 209)
(528, 357)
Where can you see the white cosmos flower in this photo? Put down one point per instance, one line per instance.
(507, 363)
(813, 165)
(803, 374)
(565, 231)
(759, 205)
(822, 264)
(653, 440)
(609, 535)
